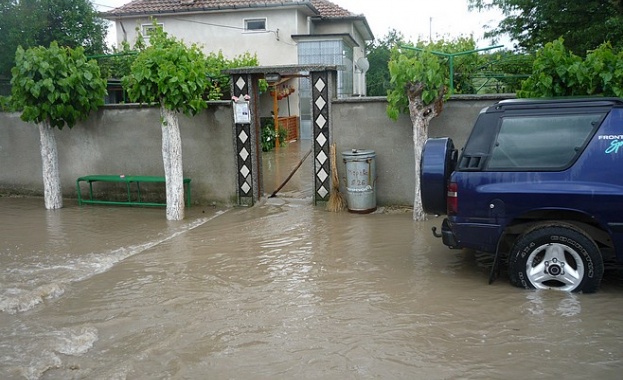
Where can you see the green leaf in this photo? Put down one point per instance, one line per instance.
(171, 71)
(43, 90)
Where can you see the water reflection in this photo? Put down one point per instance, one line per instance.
(282, 175)
(553, 304)
(280, 290)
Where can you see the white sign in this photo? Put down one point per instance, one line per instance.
(241, 112)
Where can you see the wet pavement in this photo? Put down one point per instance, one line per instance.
(288, 171)
(281, 290)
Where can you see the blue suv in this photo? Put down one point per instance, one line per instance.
(540, 182)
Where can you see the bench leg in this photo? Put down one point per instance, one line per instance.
(188, 195)
(138, 191)
(78, 193)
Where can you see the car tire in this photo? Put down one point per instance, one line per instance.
(556, 256)
(437, 164)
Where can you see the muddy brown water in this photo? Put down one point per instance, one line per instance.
(281, 290)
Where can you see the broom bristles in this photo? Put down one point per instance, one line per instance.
(337, 202)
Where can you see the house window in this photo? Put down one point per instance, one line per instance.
(330, 52)
(255, 25)
(324, 52)
(148, 29)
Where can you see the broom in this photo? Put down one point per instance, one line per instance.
(336, 199)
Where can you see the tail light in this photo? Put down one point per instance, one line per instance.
(452, 199)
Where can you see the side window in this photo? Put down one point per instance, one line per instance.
(148, 29)
(255, 25)
(541, 142)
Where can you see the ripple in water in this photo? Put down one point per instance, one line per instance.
(24, 288)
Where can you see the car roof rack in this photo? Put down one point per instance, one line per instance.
(561, 102)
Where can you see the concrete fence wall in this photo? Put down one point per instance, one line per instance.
(126, 139)
(362, 123)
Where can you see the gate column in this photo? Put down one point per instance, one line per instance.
(245, 143)
(323, 90)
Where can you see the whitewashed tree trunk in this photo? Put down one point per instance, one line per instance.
(49, 159)
(420, 133)
(173, 168)
(421, 115)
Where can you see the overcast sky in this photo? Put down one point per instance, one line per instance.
(415, 19)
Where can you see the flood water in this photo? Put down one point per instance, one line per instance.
(281, 290)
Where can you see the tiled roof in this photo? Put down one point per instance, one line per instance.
(329, 10)
(325, 8)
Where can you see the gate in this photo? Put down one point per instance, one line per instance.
(244, 82)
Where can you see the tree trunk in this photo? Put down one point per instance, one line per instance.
(172, 159)
(420, 133)
(421, 115)
(49, 159)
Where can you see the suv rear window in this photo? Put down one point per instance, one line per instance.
(541, 142)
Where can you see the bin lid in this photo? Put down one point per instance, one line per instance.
(358, 153)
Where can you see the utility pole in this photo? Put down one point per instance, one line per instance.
(430, 30)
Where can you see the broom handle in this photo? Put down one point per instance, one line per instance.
(291, 174)
(334, 176)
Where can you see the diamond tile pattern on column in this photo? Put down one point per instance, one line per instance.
(321, 140)
(321, 118)
(245, 171)
(322, 158)
(243, 137)
(321, 121)
(244, 154)
(322, 175)
(246, 187)
(240, 83)
(243, 146)
(322, 192)
(320, 103)
(320, 84)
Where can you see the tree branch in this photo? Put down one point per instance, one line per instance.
(427, 111)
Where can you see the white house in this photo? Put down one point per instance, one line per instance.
(279, 32)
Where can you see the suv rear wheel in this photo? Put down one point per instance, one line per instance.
(556, 256)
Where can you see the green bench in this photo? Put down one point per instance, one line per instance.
(128, 180)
